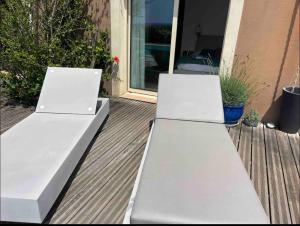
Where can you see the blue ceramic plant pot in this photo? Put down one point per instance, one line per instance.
(232, 114)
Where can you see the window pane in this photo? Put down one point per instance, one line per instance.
(151, 28)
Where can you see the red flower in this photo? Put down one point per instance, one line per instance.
(116, 59)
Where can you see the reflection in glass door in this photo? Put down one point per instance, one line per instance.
(200, 34)
(150, 41)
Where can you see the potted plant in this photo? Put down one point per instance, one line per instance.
(251, 118)
(236, 90)
(289, 120)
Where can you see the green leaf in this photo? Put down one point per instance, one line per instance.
(31, 40)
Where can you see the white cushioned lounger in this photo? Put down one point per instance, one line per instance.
(39, 154)
(191, 172)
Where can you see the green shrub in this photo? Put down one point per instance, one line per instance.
(252, 117)
(234, 91)
(236, 86)
(36, 34)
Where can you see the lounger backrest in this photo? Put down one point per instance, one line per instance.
(190, 97)
(70, 91)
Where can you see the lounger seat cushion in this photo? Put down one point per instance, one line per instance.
(190, 97)
(193, 174)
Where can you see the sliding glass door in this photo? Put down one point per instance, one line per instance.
(174, 37)
(150, 42)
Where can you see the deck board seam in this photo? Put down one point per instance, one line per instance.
(294, 157)
(239, 137)
(266, 168)
(110, 162)
(131, 175)
(104, 186)
(120, 138)
(111, 176)
(284, 177)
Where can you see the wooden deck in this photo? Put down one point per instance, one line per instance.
(99, 189)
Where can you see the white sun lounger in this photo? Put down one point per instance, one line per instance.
(39, 154)
(191, 172)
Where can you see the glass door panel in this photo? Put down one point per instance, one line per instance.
(200, 34)
(150, 42)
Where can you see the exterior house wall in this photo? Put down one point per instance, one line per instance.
(119, 43)
(269, 34)
(100, 12)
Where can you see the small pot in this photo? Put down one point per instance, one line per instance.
(232, 114)
(289, 120)
(250, 123)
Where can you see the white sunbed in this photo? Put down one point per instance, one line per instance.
(39, 154)
(191, 172)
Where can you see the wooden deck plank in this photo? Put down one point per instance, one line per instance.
(121, 131)
(98, 199)
(97, 177)
(100, 171)
(106, 154)
(235, 132)
(295, 146)
(9, 111)
(122, 117)
(291, 175)
(112, 191)
(13, 115)
(104, 150)
(279, 209)
(112, 213)
(259, 169)
(244, 147)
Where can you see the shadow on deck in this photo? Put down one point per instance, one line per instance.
(99, 189)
